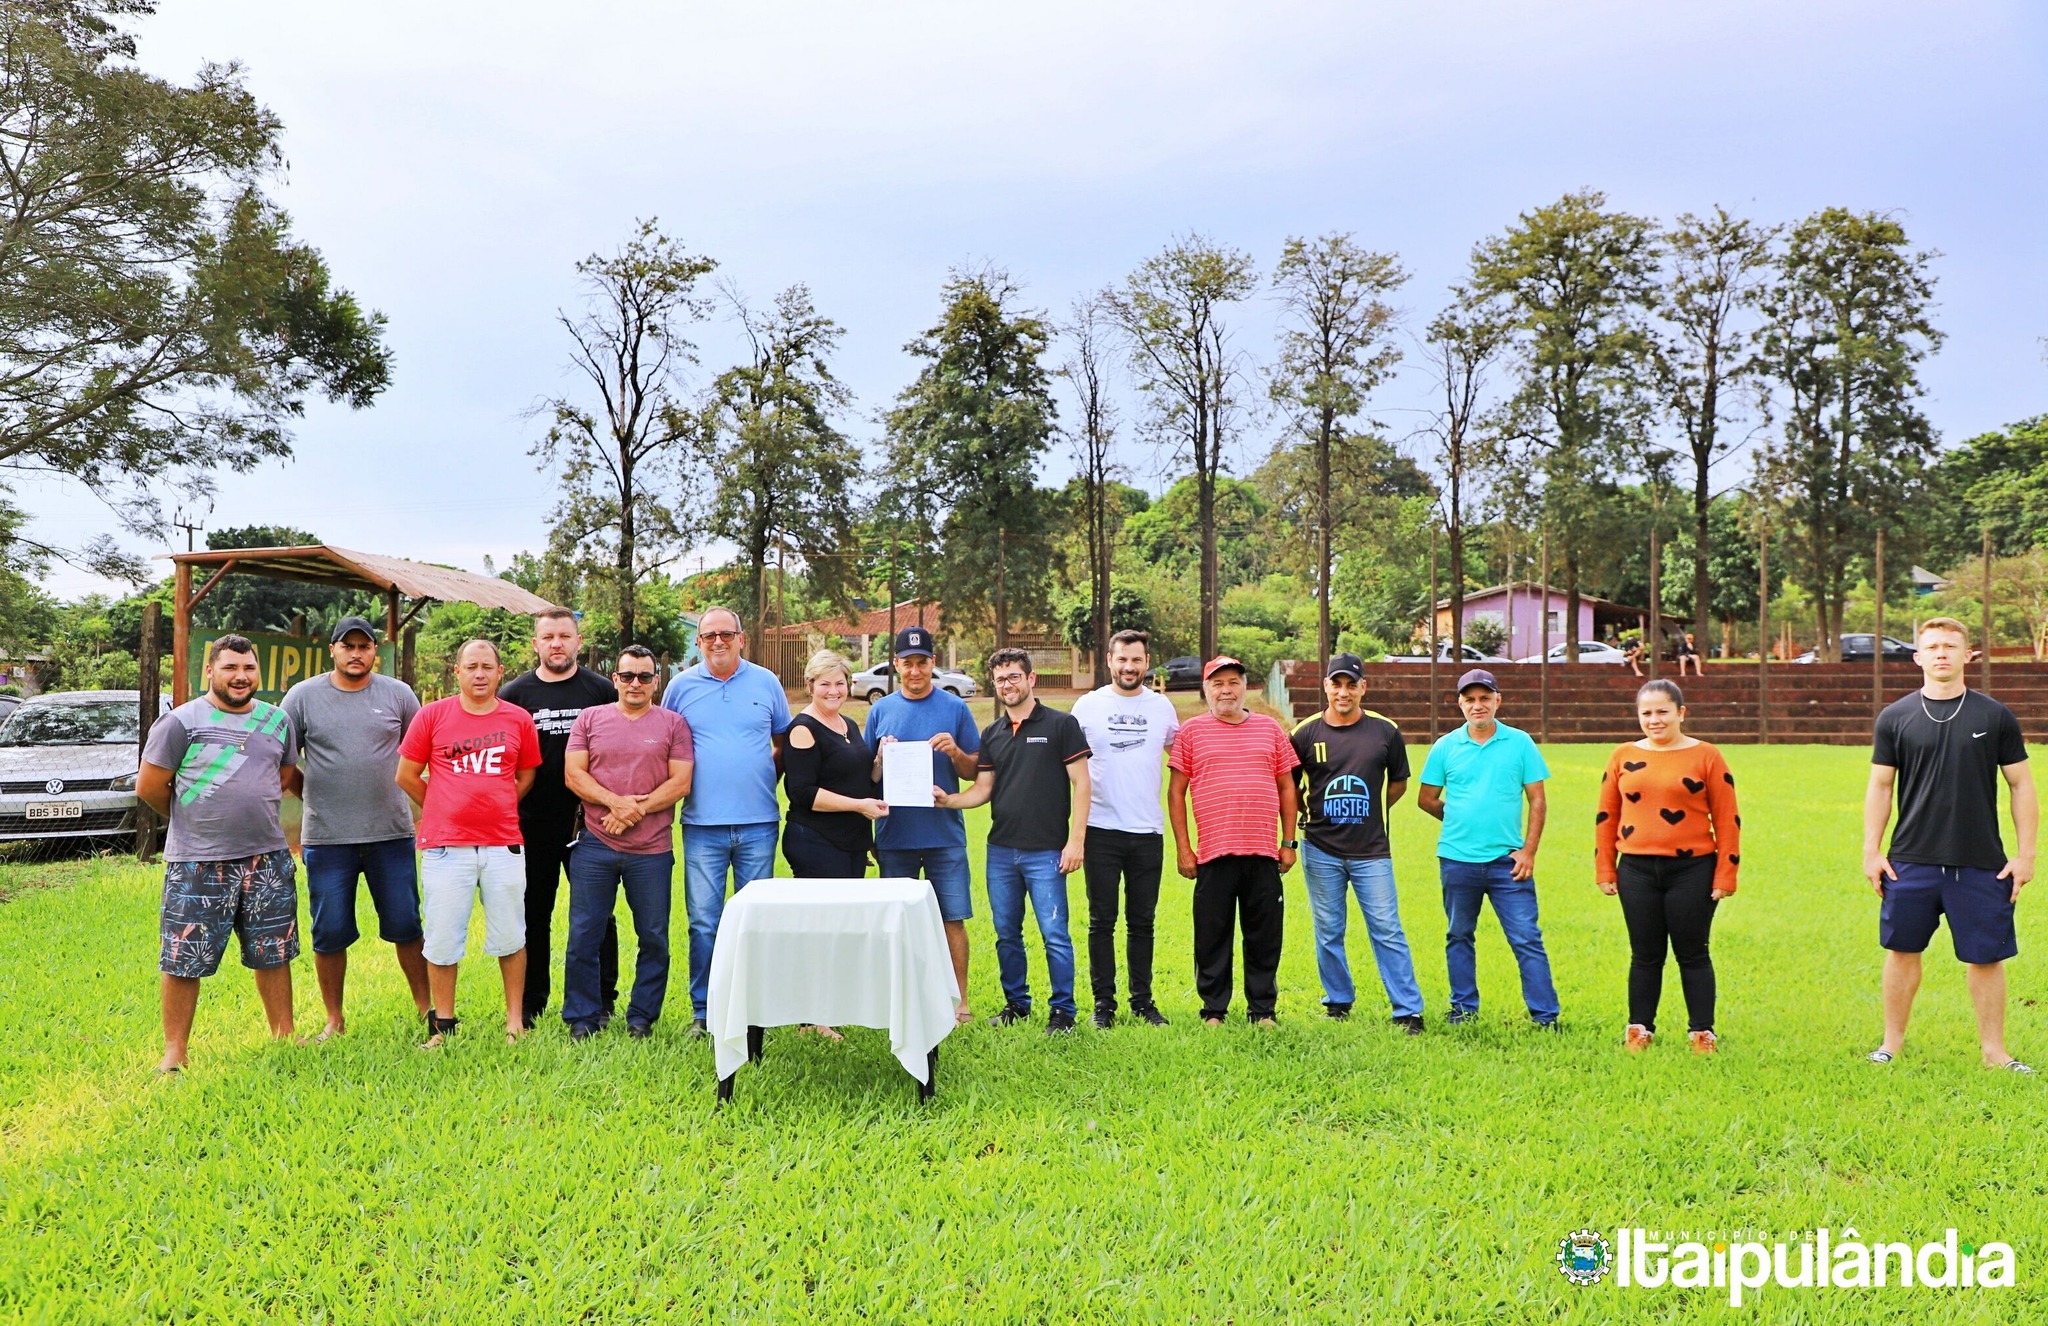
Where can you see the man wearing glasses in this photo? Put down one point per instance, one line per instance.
(555, 692)
(630, 764)
(736, 710)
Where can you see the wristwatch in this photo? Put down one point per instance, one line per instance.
(1290, 844)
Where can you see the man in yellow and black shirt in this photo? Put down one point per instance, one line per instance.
(1354, 766)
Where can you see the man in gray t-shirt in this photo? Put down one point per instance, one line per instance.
(358, 821)
(216, 768)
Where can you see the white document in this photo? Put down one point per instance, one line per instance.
(907, 774)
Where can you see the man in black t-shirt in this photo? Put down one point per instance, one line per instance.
(1354, 767)
(555, 692)
(1034, 768)
(1944, 748)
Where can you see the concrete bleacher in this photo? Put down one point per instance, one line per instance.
(1827, 703)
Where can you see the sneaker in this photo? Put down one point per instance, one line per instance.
(1104, 1019)
(1879, 1056)
(1266, 1021)
(582, 1031)
(639, 1030)
(1010, 1016)
(1410, 1023)
(1702, 1042)
(1458, 1015)
(1058, 1023)
(1551, 1025)
(604, 1019)
(1149, 1013)
(698, 1029)
(1337, 1012)
(1637, 1038)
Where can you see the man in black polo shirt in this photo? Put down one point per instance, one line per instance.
(1944, 747)
(1034, 767)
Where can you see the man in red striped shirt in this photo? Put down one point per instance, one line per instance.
(1240, 768)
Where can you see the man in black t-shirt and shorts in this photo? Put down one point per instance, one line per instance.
(1944, 747)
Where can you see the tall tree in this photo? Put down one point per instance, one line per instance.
(785, 472)
(1846, 328)
(624, 465)
(157, 320)
(257, 603)
(1171, 311)
(1464, 343)
(966, 438)
(1336, 345)
(1571, 280)
(1718, 267)
(1094, 441)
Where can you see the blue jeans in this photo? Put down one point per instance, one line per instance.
(596, 870)
(1466, 883)
(944, 868)
(393, 876)
(710, 852)
(1011, 875)
(1330, 878)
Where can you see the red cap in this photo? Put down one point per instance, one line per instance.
(1218, 663)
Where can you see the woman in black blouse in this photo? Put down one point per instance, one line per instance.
(828, 771)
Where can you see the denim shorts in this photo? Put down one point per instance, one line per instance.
(452, 879)
(254, 897)
(393, 876)
(1977, 902)
(945, 867)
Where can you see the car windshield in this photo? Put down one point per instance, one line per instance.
(109, 723)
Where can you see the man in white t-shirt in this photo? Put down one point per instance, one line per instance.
(1129, 731)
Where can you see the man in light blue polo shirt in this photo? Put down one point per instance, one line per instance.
(736, 710)
(910, 841)
(1475, 781)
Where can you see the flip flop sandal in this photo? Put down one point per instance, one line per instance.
(1879, 1056)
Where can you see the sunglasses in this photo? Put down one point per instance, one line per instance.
(719, 637)
(631, 678)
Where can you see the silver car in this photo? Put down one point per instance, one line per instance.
(873, 684)
(68, 764)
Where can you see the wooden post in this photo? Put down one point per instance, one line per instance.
(150, 656)
(1877, 638)
(391, 624)
(181, 633)
(1985, 683)
(1543, 650)
(1763, 633)
(407, 672)
(1432, 632)
(1654, 646)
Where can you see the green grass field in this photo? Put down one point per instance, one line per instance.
(1314, 1172)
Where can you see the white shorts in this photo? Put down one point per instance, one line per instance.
(450, 880)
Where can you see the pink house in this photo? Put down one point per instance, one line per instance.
(1520, 607)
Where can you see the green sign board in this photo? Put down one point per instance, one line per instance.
(283, 659)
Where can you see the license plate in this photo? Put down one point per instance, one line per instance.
(55, 810)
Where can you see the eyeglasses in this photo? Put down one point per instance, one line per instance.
(719, 637)
(640, 677)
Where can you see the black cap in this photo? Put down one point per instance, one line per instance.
(347, 624)
(915, 640)
(1345, 665)
(1478, 677)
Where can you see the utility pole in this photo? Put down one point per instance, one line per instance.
(1654, 645)
(1877, 637)
(1432, 632)
(1985, 684)
(1763, 632)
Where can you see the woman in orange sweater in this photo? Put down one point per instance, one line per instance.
(1667, 838)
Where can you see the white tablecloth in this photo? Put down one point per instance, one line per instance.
(836, 952)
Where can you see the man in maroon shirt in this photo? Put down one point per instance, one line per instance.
(1239, 768)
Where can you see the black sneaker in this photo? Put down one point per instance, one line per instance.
(1338, 1012)
(1410, 1022)
(638, 1030)
(1058, 1023)
(1458, 1015)
(1105, 1018)
(1148, 1013)
(1010, 1016)
(604, 1019)
(1552, 1025)
(582, 1031)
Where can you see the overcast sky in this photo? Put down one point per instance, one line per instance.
(454, 161)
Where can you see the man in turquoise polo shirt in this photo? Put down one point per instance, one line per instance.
(1475, 781)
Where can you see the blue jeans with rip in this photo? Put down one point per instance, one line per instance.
(711, 852)
(1013, 874)
(1466, 885)
(596, 872)
(1330, 879)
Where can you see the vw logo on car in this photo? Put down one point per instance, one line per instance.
(54, 786)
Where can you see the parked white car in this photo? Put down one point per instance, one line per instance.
(67, 766)
(873, 684)
(1590, 651)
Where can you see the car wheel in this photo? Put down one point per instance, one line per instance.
(950, 691)
(874, 695)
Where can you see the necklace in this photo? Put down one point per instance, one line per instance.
(1961, 700)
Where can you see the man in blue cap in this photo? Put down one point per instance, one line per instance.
(1476, 779)
(913, 840)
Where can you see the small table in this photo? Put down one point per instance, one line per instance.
(834, 952)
